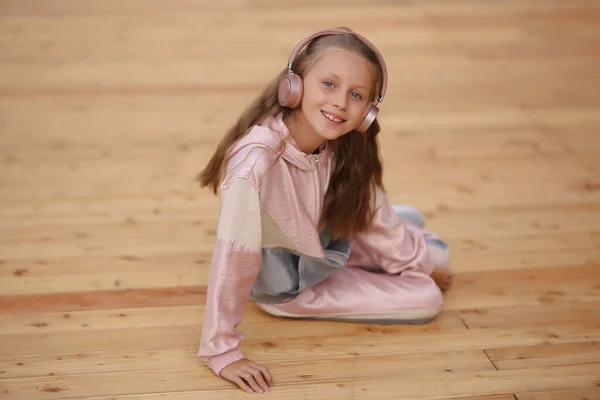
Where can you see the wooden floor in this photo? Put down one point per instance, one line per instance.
(109, 108)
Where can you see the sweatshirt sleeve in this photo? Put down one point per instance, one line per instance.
(235, 264)
(396, 245)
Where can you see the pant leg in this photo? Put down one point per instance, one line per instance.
(410, 214)
(360, 258)
(363, 292)
(359, 295)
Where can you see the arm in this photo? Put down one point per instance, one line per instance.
(396, 245)
(235, 264)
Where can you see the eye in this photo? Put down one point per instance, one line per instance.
(356, 95)
(328, 84)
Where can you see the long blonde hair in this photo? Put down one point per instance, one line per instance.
(349, 201)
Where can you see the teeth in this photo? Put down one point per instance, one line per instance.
(332, 118)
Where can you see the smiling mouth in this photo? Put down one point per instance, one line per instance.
(332, 118)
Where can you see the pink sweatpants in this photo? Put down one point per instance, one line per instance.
(363, 293)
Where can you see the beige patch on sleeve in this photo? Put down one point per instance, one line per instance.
(240, 217)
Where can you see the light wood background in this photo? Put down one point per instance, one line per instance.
(109, 108)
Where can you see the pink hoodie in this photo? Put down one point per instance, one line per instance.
(271, 199)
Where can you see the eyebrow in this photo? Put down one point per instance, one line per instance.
(333, 74)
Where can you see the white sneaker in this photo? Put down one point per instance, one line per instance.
(410, 214)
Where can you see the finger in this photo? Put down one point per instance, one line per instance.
(240, 382)
(266, 374)
(260, 379)
(252, 382)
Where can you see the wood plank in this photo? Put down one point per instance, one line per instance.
(472, 261)
(553, 163)
(260, 69)
(548, 313)
(189, 395)
(147, 118)
(322, 385)
(591, 163)
(125, 361)
(524, 287)
(501, 397)
(576, 138)
(545, 355)
(178, 262)
(588, 393)
(500, 224)
(174, 316)
(489, 289)
(512, 286)
(80, 274)
(194, 272)
(58, 240)
(177, 30)
(103, 300)
(510, 117)
(555, 240)
(448, 145)
(182, 207)
(126, 280)
(397, 339)
(456, 8)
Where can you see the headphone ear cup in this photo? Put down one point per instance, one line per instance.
(290, 91)
(368, 120)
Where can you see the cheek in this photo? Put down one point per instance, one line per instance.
(314, 93)
(358, 110)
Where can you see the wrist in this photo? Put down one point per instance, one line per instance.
(218, 362)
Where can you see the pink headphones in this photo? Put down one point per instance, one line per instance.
(291, 87)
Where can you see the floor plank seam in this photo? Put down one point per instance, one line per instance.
(462, 320)
(547, 132)
(490, 360)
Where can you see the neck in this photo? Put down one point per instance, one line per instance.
(307, 140)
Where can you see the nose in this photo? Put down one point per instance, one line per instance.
(339, 100)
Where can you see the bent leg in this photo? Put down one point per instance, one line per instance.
(415, 220)
(360, 257)
(358, 295)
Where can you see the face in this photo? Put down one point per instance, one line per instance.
(336, 94)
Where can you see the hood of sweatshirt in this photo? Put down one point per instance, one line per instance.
(273, 133)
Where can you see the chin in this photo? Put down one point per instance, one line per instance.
(332, 135)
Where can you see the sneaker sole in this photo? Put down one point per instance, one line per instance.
(410, 317)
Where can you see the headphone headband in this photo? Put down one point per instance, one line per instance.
(324, 32)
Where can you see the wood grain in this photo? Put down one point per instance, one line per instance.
(324, 384)
(533, 356)
(589, 393)
(109, 109)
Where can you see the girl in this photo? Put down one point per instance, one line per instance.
(305, 228)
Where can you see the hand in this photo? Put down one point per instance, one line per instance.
(251, 377)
